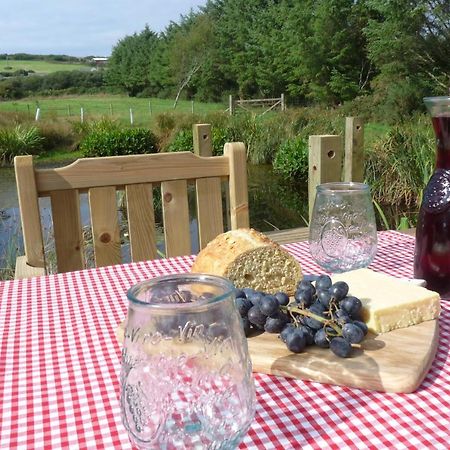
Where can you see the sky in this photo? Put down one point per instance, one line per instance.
(82, 27)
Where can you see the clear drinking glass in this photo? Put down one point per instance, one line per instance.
(343, 232)
(186, 378)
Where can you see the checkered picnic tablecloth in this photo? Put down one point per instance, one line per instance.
(60, 363)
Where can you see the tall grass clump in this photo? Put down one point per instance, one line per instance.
(59, 134)
(11, 245)
(20, 140)
(399, 165)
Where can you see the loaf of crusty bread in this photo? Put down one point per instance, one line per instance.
(250, 259)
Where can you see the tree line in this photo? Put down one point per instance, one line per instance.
(315, 51)
(382, 55)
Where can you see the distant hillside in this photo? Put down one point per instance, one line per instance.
(42, 66)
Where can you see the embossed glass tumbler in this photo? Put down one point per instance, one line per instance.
(186, 378)
(343, 232)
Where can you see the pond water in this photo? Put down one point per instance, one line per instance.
(274, 204)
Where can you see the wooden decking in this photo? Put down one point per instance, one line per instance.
(301, 234)
(290, 235)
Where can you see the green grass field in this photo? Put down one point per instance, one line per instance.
(113, 106)
(40, 67)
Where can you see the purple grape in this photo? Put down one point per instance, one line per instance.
(323, 283)
(351, 304)
(321, 339)
(296, 341)
(341, 347)
(339, 290)
(287, 330)
(269, 305)
(352, 333)
(276, 324)
(283, 299)
(256, 317)
(361, 325)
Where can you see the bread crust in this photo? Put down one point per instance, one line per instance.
(223, 251)
(219, 253)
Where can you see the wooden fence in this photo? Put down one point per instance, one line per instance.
(331, 157)
(268, 104)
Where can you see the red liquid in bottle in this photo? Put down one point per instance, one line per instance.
(432, 251)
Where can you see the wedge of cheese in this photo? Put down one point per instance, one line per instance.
(390, 303)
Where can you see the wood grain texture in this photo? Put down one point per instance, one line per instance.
(391, 362)
(201, 133)
(209, 209)
(67, 230)
(101, 177)
(23, 270)
(176, 218)
(105, 226)
(237, 155)
(29, 211)
(141, 221)
(121, 170)
(354, 150)
(289, 236)
(324, 162)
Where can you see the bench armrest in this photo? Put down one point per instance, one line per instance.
(23, 270)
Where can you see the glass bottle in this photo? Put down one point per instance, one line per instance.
(186, 377)
(432, 250)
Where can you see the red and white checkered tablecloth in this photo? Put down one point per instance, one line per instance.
(60, 363)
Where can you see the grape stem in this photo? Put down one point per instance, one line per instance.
(307, 313)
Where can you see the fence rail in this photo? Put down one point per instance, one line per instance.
(268, 103)
(132, 114)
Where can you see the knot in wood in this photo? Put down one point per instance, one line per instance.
(167, 197)
(105, 238)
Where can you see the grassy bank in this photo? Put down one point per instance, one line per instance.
(116, 107)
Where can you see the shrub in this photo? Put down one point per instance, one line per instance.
(182, 142)
(220, 135)
(112, 142)
(19, 141)
(291, 159)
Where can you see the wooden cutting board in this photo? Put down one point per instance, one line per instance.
(391, 362)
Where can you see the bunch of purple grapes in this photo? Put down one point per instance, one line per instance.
(322, 314)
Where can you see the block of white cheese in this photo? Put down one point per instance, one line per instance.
(390, 303)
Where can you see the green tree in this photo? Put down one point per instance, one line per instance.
(135, 63)
(409, 43)
(188, 48)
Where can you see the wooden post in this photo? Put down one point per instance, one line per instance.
(354, 149)
(131, 116)
(201, 133)
(325, 162)
(283, 103)
(231, 105)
